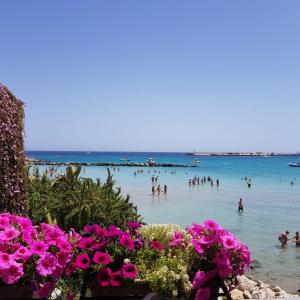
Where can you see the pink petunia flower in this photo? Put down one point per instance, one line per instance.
(134, 225)
(101, 258)
(208, 239)
(222, 259)
(46, 264)
(63, 258)
(197, 246)
(86, 243)
(82, 261)
(63, 244)
(224, 270)
(5, 260)
(116, 278)
(127, 242)
(12, 273)
(229, 242)
(25, 224)
(4, 222)
(45, 290)
(9, 234)
(211, 225)
(129, 270)
(39, 248)
(156, 245)
(22, 253)
(203, 294)
(201, 277)
(104, 276)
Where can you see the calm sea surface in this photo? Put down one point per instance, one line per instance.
(271, 205)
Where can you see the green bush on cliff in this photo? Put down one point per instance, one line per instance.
(72, 201)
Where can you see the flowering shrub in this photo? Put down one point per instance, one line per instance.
(30, 255)
(105, 255)
(219, 256)
(13, 194)
(171, 261)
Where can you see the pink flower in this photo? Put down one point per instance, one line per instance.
(197, 246)
(45, 290)
(4, 222)
(86, 243)
(9, 234)
(177, 239)
(46, 264)
(39, 248)
(71, 296)
(127, 242)
(222, 259)
(129, 271)
(208, 239)
(63, 244)
(101, 258)
(5, 260)
(63, 258)
(82, 261)
(25, 224)
(196, 229)
(116, 278)
(22, 253)
(134, 225)
(13, 273)
(203, 294)
(201, 277)
(224, 270)
(229, 242)
(104, 276)
(211, 225)
(114, 231)
(156, 245)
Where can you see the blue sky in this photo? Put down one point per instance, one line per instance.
(155, 75)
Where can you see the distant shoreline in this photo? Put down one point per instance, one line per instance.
(264, 154)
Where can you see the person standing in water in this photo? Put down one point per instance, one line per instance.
(158, 189)
(218, 183)
(153, 189)
(296, 239)
(165, 189)
(240, 205)
(283, 238)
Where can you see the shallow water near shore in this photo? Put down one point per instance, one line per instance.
(271, 205)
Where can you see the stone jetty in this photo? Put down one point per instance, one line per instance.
(107, 164)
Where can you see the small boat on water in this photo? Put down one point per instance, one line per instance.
(297, 164)
(125, 159)
(195, 161)
(150, 161)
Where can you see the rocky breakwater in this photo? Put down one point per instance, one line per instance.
(107, 164)
(250, 288)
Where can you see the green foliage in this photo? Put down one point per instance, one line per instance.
(73, 201)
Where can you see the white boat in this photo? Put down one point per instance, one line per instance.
(125, 159)
(150, 161)
(297, 164)
(195, 161)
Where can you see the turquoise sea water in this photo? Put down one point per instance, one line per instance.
(271, 205)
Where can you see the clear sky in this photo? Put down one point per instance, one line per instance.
(159, 75)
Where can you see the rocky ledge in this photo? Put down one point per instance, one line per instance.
(251, 288)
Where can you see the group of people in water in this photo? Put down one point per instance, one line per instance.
(284, 238)
(196, 180)
(159, 190)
